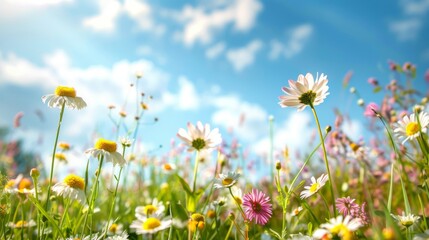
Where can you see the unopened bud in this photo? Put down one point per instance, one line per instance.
(360, 102)
(352, 90)
(328, 128)
(34, 173)
(278, 165)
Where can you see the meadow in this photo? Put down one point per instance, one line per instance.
(376, 188)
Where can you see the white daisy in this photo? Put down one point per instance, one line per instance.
(121, 236)
(315, 186)
(149, 225)
(94, 236)
(115, 229)
(406, 220)
(338, 228)
(305, 92)
(168, 168)
(22, 224)
(107, 149)
(226, 181)
(410, 128)
(200, 137)
(64, 94)
(72, 187)
(155, 209)
(238, 195)
(126, 142)
(296, 211)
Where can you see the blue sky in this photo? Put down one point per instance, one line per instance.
(213, 61)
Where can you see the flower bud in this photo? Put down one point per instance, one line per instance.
(328, 128)
(34, 173)
(278, 165)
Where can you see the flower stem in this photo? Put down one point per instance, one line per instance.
(53, 155)
(325, 156)
(197, 160)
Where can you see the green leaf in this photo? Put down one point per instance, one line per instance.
(46, 215)
(273, 233)
(377, 89)
(185, 185)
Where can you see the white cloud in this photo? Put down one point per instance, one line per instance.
(247, 120)
(110, 10)
(186, 98)
(105, 20)
(215, 50)
(202, 22)
(294, 133)
(413, 7)
(242, 57)
(406, 29)
(353, 128)
(297, 38)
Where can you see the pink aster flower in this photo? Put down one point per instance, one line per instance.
(257, 206)
(370, 108)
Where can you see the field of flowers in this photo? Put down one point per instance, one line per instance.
(342, 189)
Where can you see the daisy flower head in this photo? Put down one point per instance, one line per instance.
(197, 221)
(338, 228)
(305, 92)
(121, 236)
(64, 95)
(72, 187)
(115, 229)
(149, 225)
(257, 206)
(406, 220)
(22, 224)
(200, 137)
(409, 127)
(168, 168)
(154, 209)
(126, 141)
(107, 149)
(315, 186)
(238, 195)
(346, 206)
(226, 180)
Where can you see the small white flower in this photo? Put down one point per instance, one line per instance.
(315, 186)
(72, 188)
(168, 168)
(238, 195)
(64, 95)
(226, 181)
(22, 224)
(126, 142)
(200, 137)
(155, 209)
(107, 149)
(149, 225)
(410, 128)
(339, 227)
(122, 236)
(406, 220)
(115, 229)
(305, 92)
(296, 211)
(94, 236)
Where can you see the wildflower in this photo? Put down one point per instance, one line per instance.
(220, 201)
(22, 224)
(72, 187)
(64, 95)
(360, 102)
(410, 128)
(144, 106)
(107, 149)
(257, 206)
(347, 206)
(226, 181)
(200, 137)
(197, 221)
(114, 229)
(338, 228)
(17, 119)
(123, 114)
(315, 186)
(154, 209)
(406, 220)
(93, 236)
(238, 194)
(305, 92)
(296, 211)
(370, 108)
(149, 225)
(64, 146)
(122, 236)
(168, 167)
(211, 213)
(388, 234)
(352, 90)
(126, 142)
(61, 157)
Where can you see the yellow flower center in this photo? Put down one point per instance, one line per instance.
(60, 156)
(150, 209)
(227, 181)
(412, 128)
(113, 228)
(407, 222)
(10, 184)
(24, 184)
(197, 217)
(74, 181)
(65, 91)
(64, 145)
(151, 223)
(20, 224)
(106, 145)
(168, 167)
(342, 230)
(314, 187)
(198, 144)
(238, 200)
(211, 213)
(307, 98)
(354, 146)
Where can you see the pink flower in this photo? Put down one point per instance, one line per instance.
(373, 81)
(370, 108)
(257, 206)
(427, 76)
(346, 205)
(17, 120)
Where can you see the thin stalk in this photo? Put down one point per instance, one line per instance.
(229, 231)
(195, 171)
(93, 194)
(325, 156)
(35, 181)
(53, 155)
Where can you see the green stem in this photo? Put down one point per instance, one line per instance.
(35, 181)
(229, 231)
(325, 156)
(195, 171)
(53, 155)
(93, 194)
(238, 204)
